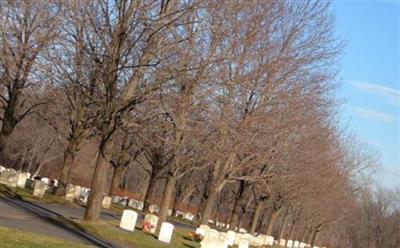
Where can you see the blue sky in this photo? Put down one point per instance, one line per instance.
(370, 72)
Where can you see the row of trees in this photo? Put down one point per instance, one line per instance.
(228, 105)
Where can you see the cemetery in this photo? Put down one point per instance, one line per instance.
(199, 124)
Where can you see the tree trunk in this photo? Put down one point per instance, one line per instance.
(303, 236)
(166, 200)
(256, 216)
(65, 171)
(291, 233)
(283, 227)
(8, 124)
(98, 186)
(116, 179)
(149, 191)
(271, 222)
(209, 204)
(314, 238)
(3, 142)
(237, 207)
(310, 236)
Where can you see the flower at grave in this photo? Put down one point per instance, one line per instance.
(192, 236)
(147, 226)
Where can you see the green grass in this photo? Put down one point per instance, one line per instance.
(10, 238)
(109, 230)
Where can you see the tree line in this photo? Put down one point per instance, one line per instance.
(229, 105)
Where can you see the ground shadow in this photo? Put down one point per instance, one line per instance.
(53, 218)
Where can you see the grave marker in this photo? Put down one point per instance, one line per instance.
(166, 232)
(39, 189)
(128, 220)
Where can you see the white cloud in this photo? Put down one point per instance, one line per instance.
(390, 94)
(372, 114)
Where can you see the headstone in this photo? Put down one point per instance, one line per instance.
(70, 192)
(154, 209)
(169, 212)
(77, 191)
(302, 245)
(231, 237)
(9, 178)
(45, 180)
(39, 189)
(244, 242)
(188, 216)
(296, 244)
(124, 201)
(242, 230)
(269, 240)
(282, 242)
(179, 214)
(128, 220)
(106, 202)
(222, 240)
(202, 230)
(116, 199)
(150, 223)
(210, 239)
(21, 181)
(289, 243)
(166, 232)
(258, 241)
(238, 237)
(2, 168)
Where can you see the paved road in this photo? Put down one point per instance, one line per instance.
(44, 218)
(36, 218)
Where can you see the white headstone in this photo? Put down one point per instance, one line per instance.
(222, 240)
(2, 168)
(22, 177)
(128, 220)
(9, 178)
(39, 189)
(106, 202)
(258, 241)
(116, 199)
(154, 209)
(296, 244)
(188, 216)
(244, 241)
(45, 180)
(77, 191)
(238, 237)
(70, 192)
(202, 230)
(282, 242)
(166, 232)
(231, 237)
(150, 223)
(210, 239)
(289, 243)
(269, 240)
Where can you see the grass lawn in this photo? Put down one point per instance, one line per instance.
(10, 238)
(109, 230)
